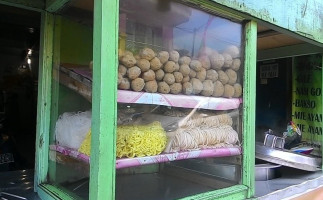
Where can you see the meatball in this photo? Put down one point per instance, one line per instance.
(128, 60)
(137, 84)
(208, 88)
(122, 70)
(124, 84)
(228, 91)
(163, 56)
(196, 65)
(184, 60)
(127, 53)
(151, 86)
(143, 64)
(206, 51)
(149, 75)
(137, 57)
(236, 64)
(163, 87)
(212, 75)
(237, 90)
(223, 77)
(227, 60)
(176, 67)
(176, 88)
(186, 79)
(232, 76)
(169, 78)
(218, 89)
(217, 61)
(174, 56)
(185, 69)
(178, 77)
(197, 85)
(201, 75)
(169, 67)
(187, 88)
(133, 72)
(155, 64)
(233, 51)
(192, 74)
(205, 61)
(160, 74)
(147, 53)
(120, 77)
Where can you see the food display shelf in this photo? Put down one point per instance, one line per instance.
(161, 158)
(80, 81)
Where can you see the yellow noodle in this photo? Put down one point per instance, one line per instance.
(85, 147)
(135, 140)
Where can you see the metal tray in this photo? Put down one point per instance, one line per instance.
(267, 171)
(287, 158)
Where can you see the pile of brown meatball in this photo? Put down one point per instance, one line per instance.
(211, 74)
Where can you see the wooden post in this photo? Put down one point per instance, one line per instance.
(44, 97)
(104, 99)
(249, 101)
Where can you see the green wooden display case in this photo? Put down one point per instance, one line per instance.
(104, 40)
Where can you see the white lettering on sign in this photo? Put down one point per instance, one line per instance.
(269, 71)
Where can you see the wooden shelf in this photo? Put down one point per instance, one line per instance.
(161, 158)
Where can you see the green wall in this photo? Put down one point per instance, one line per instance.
(305, 18)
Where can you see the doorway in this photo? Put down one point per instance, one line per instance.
(19, 56)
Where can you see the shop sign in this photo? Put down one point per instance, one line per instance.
(269, 71)
(307, 99)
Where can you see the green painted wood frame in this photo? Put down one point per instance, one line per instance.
(249, 107)
(104, 99)
(102, 182)
(44, 97)
(55, 88)
(49, 43)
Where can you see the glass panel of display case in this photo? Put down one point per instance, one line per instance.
(71, 99)
(179, 101)
(179, 120)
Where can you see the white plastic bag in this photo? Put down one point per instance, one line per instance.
(71, 128)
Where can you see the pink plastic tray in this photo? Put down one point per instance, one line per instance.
(183, 101)
(138, 161)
